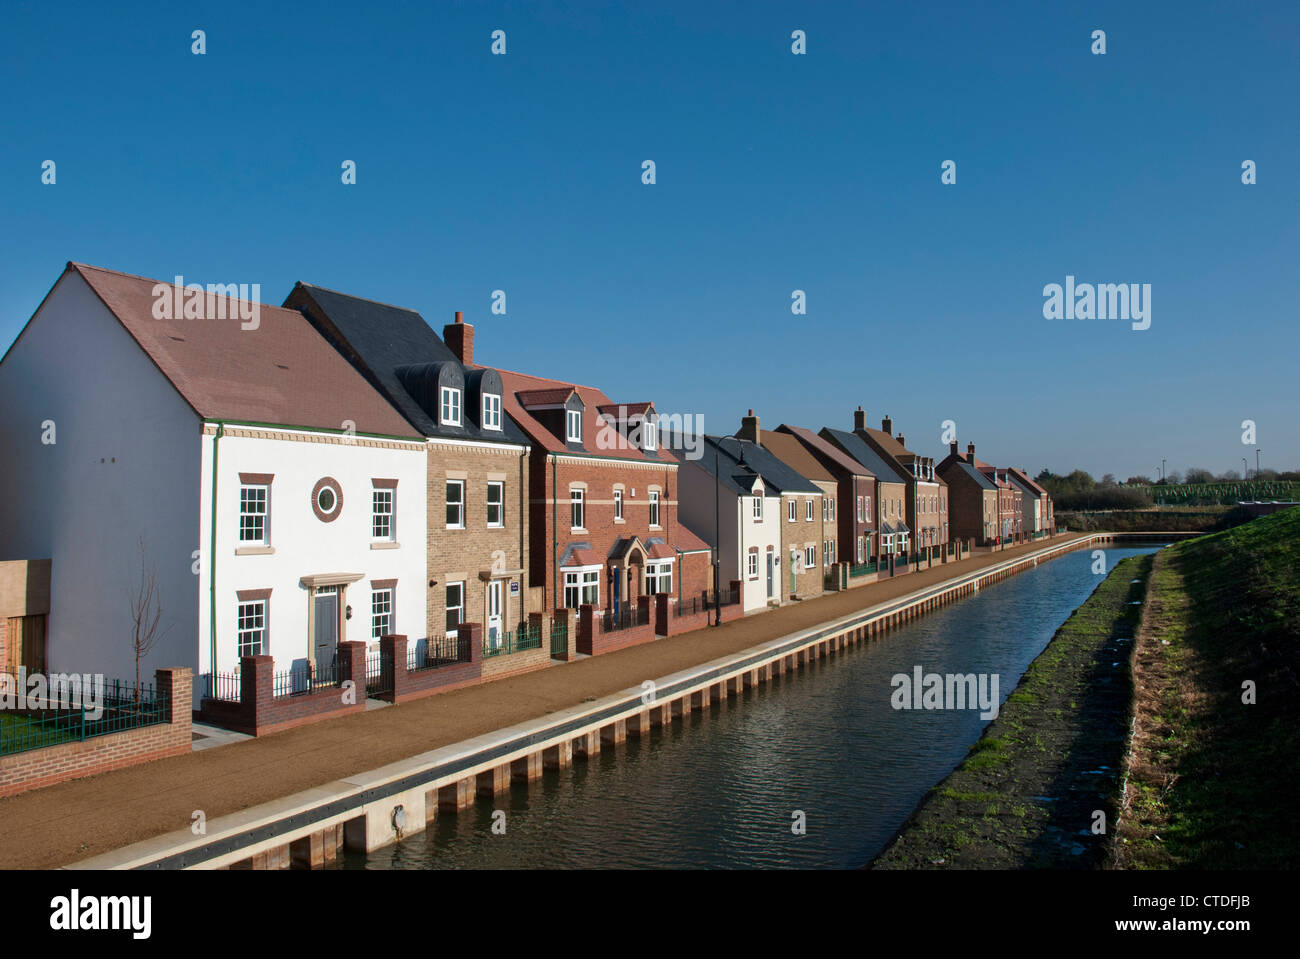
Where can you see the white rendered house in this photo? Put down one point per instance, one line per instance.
(280, 500)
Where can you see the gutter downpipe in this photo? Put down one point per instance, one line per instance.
(212, 556)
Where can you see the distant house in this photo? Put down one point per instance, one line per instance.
(927, 494)
(789, 450)
(731, 505)
(603, 500)
(477, 456)
(972, 500)
(854, 506)
(1037, 504)
(246, 468)
(891, 495)
(1010, 501)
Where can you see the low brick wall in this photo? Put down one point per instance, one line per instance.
(260, 711)
(414, 684)
(54, 764)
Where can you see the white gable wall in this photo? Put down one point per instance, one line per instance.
(125, 463)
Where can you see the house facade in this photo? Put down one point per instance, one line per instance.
(729, 504)
(790, 451)
(227, 456)
(1036, 504)
(477, 463)
(972, 500)
(602, 501)
(894, 534)
(927, 494)
(855, 523)
(803, 528)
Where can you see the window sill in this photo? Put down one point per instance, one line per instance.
(619, 520)
(385, 545)
(254, 550)
(577, 529)
(455, 527)
(496, 525)
(654, 526)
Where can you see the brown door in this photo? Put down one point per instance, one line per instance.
(26, 644)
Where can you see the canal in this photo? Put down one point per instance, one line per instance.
(720, 789)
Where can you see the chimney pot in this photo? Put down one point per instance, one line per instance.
(970, 450)
(460, 316)
(859, 419)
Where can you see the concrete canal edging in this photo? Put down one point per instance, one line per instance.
(376, 808)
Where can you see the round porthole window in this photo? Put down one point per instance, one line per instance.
(327, 499)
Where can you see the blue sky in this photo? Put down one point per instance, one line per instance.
(775, 172)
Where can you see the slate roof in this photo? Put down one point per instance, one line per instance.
(379, 339)
(777, 476)
(860, 450)
(975, 474)
(282, 372)
(832, 452)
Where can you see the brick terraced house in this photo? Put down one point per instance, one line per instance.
(972, 500)
(602, 505)
(894, 539)
(790, 451)
(927, 494)
(854, 511)
(477, 456)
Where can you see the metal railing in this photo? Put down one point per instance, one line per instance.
(303, 678)
(627, 618)
(121, 706)
(379, 673)
(861, 569)
(224, 687)
(559, 640)
(438, 651)
(523, 638)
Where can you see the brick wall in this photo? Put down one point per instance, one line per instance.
(53, 764)
(478, 553)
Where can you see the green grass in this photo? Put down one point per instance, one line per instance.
(1217, 782)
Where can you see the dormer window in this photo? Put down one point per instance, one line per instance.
(491, 411)
(450, 406)
(573, 426)
(649, 434)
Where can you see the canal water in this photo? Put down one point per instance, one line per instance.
(721, 788)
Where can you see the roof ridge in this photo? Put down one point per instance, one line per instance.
(364, 299)
(154, 280)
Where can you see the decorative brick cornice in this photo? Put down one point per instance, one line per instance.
(330, 439)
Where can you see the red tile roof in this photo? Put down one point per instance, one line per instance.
(829, 450)
(283, 372)
(599, 439)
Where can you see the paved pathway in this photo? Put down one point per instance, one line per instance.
(86, 817)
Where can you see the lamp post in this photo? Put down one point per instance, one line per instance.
(1245, 470)
(1257, 464)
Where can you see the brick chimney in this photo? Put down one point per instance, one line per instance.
(902, 440)
(859, 419)
(749, 429)
(459, 337)
(970, 452)
(952, 447)
(887, 426)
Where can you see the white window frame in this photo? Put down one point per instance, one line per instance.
(792, 511)
(379, 496)
(654, 509)
(449, 406)
(573, 426)
(500, 504)
(491, 411)
(264, 516)
(618, 505)
(758, 509)
(577, 509)
(808, 511)
(810, 557)
(460, 483)
(582, 585)
(383, 609)
(753, 566)
(659, 577)
(448, 607)
(251, 618)
(859, 509)
(649, 433)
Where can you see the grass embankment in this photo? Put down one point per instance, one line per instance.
(1027, 794)
(1212, 780)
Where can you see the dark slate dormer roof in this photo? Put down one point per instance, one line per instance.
(974, 474)
(861, 451)
(403, 358)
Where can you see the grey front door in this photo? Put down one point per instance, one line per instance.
(326, 626)
(771, 572)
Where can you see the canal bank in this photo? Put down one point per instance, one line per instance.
(448, 778)
(1041, 787)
